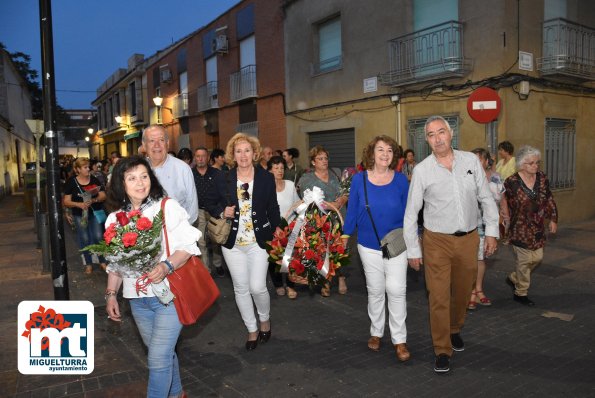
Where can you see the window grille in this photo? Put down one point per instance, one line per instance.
(417, 136)
(560, 152)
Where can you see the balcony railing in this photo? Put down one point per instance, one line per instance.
(250, 128)
(207, 97)
(180, 108)
(568, 50)
(243, 83)
(428, 54)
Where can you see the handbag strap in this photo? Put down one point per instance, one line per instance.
(368, 208)
(164, 229)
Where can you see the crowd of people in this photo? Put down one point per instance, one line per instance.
(459, 203)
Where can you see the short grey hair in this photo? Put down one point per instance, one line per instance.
(435, 118)
(153, 127)
(524, 152)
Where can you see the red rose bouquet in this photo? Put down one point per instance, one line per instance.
(309, 247)
(132, 244)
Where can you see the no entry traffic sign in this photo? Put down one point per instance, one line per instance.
(484, 105)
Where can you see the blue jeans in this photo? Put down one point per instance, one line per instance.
(159, 328)
(88, 235)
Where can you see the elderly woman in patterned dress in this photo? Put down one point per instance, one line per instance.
(527, 203)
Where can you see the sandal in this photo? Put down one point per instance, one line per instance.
(291, 293)
(483, 300)
(280, 291)
(88, 269)
(472, 303)
(325, 291)
(342, 285)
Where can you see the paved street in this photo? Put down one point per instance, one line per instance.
(318, 347)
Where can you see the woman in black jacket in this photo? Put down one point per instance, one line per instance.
(247, 196)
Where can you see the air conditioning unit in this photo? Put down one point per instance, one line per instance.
(164, 75)
(219, 44)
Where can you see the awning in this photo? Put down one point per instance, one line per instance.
(134, 134)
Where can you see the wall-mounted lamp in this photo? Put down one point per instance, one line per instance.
(120, 120)
(158, 101)
(524, 90)
(90, 130)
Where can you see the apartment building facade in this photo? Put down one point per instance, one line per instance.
(354, 71)
(225, 77)
(17, 145)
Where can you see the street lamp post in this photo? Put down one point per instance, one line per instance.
(58, 248)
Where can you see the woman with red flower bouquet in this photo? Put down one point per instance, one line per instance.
(135, 194)
(85, 195)
(387, 198)
(330, 184)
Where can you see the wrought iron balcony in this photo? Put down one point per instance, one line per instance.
(250, 128)
(568, 50)
(207, 97)
(243, 83)
(180, 108)
(428, 54)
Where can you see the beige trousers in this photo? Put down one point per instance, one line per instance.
(526, 261)
(450, 264)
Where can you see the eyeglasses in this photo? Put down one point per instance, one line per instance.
(245, 194)
(537, 162)
(321, 158)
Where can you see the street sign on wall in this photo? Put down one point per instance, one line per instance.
(484, 105)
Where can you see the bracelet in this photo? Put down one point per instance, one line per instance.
(170, 266)
(109, 293)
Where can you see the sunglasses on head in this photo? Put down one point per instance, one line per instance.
(245, 193)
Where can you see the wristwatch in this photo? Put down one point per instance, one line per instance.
(108, 294)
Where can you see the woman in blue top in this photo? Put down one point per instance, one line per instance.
(387, 197)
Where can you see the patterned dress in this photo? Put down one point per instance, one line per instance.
(529, 209)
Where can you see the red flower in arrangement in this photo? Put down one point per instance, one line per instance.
(297, 266)
(134, 213)
(129, 239)
(122, 218)
(316, 241)
(143, 223)
(110, 233)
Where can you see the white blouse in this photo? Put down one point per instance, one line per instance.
(182, 236)
(287, 198)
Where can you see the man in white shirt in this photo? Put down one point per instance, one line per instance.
(174, 175)
(449, 184)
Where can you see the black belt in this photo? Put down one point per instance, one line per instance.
(463, 233)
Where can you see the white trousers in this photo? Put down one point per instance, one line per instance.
(248, 266)
(386, 278)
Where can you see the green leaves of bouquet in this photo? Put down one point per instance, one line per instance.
(131, 232)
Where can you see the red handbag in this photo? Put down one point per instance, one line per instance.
(192, 285)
